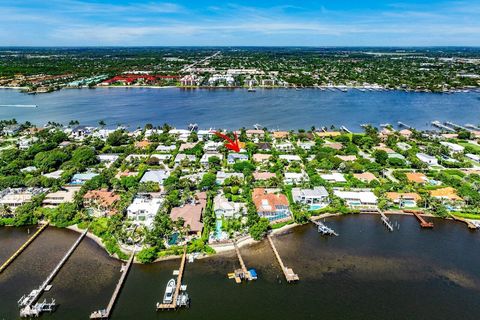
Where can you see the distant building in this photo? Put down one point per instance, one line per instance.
(425, 158)
(81, 178)
(234, 157)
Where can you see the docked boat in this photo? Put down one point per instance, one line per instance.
(169, 291)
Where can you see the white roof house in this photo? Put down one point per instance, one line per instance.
(64, 195)
(290, 157)
(358, 199)
(181, 157)
(206, 156)
(317, 197)
(306, 145)
(157, 176)
(453, 147)
(473, 157)
(54, 175)
(425, 158)
(222, 176)
(333, 177)
(144, 208)
(284, 146)
(294, 177)
(163, 148)
(227, 209)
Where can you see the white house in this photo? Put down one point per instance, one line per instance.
(316, 198)
(473, 157)
(290, 157)
(181, 157)
(284, 146)
(425, 158)
(295, 178)
(453, 147)
(162, 148)
(206, 156)
(143, 209)
(333, 177)
(227, 209)
(157, 176)
(306, 145)
(358, 199)
(222, 176)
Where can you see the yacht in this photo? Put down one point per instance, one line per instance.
(169, 292)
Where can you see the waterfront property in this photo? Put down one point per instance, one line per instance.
(191, 213)
(144, 208)
(271, 204)
(64, 195)
(316, 198)
(227, 209)
(404, 199)
(100, 203)
(357, 199)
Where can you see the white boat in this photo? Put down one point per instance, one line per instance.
(169, 291)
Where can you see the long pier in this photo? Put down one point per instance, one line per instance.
(245, 272)
(174, 304)
(440, 125)
(386, 221)
(470, 225)
(23, 247)
(457, 126)
(404, 125)
(423, 222)
(26, 303)
(345, 129)
(290, 276)
(471, 126)
(323, 229)
(105, 313)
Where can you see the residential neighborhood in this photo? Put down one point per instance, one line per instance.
(160, 187)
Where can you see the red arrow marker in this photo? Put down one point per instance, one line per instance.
(232, 145)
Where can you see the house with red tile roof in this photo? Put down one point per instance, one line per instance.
(271, 205)
(100, 203)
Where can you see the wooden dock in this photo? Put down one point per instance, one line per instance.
(173, 305)
(105, 313)
(323, 229)
(290, 276)
(386, 221)
(23, 247)
(26, 303)
(423, 222)
(245, 272)
(470, 225)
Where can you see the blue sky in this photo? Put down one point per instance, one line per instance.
(230, 23)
